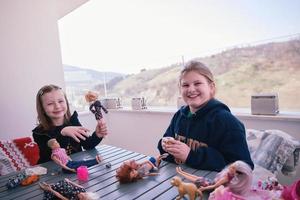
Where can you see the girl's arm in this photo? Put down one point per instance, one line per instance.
(57, 161)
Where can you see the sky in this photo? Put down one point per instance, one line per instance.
(127, 36)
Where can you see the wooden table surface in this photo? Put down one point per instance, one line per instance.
(102, 180)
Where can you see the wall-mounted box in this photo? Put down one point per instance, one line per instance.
(264, 104)
(112, 103)
(138, 103)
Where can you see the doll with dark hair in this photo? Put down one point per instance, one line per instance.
(131, 170)
(95, 105)
(65, 190)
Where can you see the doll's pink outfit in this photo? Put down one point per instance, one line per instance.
(61, 154)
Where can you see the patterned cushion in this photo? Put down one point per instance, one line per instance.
(274, 150)
(17, 154)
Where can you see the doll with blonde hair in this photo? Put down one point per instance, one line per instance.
(60, 157)
(237, 177)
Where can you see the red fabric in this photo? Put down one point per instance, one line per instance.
(29, 149)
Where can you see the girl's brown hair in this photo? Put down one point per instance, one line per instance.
(199, 68)
(44, 121)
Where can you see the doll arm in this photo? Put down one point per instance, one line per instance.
(72, 183)
(48, 188)
(57, 161)
(220, 182)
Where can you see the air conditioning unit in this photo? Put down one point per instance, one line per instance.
(264, 104)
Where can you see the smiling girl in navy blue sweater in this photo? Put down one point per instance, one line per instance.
(207, 136)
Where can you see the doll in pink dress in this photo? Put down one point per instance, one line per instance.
(60, 157)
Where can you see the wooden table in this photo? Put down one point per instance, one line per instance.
(102, 180)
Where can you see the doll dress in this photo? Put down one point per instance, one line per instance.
(66, 189)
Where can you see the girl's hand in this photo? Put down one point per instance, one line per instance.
(75, 132)
(165, 141)
(178, 149)
(101, 128)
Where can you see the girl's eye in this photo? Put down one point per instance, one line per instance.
(61, 101)
(184, 85)
(49, 104)
(198, 83)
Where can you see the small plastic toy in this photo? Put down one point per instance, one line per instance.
(82, 173)
(15, 181)
(131, 170)
(185, 188)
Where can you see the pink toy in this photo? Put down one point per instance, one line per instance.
(82, 173)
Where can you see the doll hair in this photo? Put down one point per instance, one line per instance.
(242, 181)
(123, 174)
(200, 68)
(44, 121)
(92, 196)
(51, 142)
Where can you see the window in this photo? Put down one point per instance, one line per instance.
(138, 48)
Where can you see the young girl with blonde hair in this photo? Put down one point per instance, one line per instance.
(55, 121)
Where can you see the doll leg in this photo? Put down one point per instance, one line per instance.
(159, 158)
(75, 164)
(186, 175)
(99, 159)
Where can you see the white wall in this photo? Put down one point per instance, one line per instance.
(30, 57)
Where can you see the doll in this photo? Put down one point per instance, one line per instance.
(131, 170)
(95, 105)
(65, 190)
(60, 157)
(237, 177)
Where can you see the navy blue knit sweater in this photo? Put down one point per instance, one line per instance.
(215, 136)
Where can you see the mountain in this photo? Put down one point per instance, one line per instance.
(75, 75)
(239, 73)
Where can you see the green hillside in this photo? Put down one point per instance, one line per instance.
(239, 72)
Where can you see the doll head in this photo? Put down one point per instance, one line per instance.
(45, 122)
(53, 144)
(242, 181)
(91, 96)
(127, 172)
